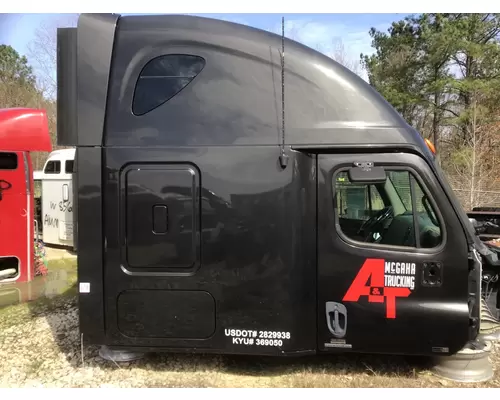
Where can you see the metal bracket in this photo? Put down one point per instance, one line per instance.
(432, 275)
(365, 165)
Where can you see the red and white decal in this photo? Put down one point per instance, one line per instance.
(387, 281)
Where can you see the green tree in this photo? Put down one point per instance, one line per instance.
(394, 68)
(475, 151)
(17, 80)
(436, 45)
(441, 72)
(15, 68)
(411, 69)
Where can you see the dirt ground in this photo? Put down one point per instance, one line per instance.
(40, 347)
(53, 253)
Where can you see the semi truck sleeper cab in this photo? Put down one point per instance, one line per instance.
(234, 201)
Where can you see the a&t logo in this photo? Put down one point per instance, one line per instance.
(387, 281)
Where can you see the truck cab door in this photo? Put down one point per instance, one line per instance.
(392, 258)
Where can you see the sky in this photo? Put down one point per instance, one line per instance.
(314, 30)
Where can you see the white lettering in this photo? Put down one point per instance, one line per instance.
(399, 274)
(244, 341)
(263, 338)
(387, 268)
(400, 281)
(399, 268)
(240, 333)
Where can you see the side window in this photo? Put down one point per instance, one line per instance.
(162, 78)
(357, 202)
(68, 166)
(8, 161)
(394, 213)
(53, 167)
(431, 232)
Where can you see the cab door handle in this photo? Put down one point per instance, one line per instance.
(336, 318)
(160, 219)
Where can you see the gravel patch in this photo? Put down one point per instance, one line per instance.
(40, 347)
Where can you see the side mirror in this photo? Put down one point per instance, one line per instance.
(367, 173)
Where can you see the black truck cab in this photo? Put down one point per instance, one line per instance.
(231, 200)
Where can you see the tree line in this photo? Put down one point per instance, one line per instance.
(442, 74)
(440, 71)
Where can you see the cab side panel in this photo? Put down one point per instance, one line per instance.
(96, 34)
(230, 247)
(210, 245)
(91, 243)
(84, 109)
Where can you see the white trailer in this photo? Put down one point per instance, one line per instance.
(57, 198)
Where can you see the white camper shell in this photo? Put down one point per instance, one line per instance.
(57, 198)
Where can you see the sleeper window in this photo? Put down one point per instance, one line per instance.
(384, 213)
(8, 161)
(162, 78)
(53, 167)
(68, 168)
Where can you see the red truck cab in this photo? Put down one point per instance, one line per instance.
(21, 132)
